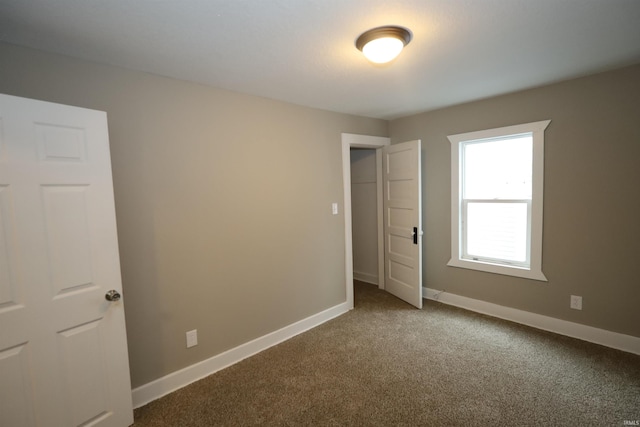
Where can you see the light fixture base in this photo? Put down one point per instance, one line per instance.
(400, 33)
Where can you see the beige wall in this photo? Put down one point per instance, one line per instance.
(223, 204)
(364, 215)
(224, 201)
(591, 241)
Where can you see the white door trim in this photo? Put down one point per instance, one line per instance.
(350, 140)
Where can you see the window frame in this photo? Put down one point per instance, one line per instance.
(459, 257)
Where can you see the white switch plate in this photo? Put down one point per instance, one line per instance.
(192, 338)
(576, 302)
(334, 208)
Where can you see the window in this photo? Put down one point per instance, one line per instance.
(496, 194)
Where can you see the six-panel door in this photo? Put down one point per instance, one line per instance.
(63, 352)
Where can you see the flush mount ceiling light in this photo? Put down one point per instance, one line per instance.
(381, 45)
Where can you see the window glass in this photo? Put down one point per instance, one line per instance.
(498, 169)
(497, 231)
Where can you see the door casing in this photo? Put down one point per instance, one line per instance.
(350, 140)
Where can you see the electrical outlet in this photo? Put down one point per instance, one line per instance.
(192, 338)
(576, 302)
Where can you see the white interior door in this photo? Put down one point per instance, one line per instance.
(403, 221)
(63, 350)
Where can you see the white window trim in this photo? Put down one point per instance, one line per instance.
(535, 269)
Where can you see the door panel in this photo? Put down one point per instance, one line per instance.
(60, 143)
(68, 243)
(7, 281)
(62, 345)
(83, 372)
(16, 402)
(403, 212)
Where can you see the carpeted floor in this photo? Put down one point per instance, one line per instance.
(388, 364)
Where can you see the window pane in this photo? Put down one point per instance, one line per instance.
(498, 169)
(497, 230)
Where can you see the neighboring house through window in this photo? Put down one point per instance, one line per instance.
(496, 194)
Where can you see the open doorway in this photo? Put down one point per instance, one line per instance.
(364, 215)
(375, 144)
(399, 216)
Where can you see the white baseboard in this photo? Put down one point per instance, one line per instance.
(176, 380)
(615, 340)
(365, 277)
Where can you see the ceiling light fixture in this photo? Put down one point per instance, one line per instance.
(382, 44)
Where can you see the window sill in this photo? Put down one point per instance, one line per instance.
(533, 274)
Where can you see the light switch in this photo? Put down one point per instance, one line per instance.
(334, 208)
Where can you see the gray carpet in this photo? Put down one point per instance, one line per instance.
(386, 363)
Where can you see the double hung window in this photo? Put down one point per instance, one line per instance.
(497, 178)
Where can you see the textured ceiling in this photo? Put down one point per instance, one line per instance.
(302, 51)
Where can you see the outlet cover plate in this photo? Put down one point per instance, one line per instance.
(576, 302)
(192, 338)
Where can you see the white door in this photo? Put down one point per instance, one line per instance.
(63, 350)
(403, 221)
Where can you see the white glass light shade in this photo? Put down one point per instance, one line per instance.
(383, 50)
(383, 44)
